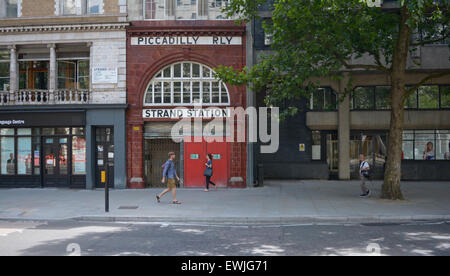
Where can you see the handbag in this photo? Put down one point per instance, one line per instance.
(208, 172)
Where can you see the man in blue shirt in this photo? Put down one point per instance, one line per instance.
(170, 172)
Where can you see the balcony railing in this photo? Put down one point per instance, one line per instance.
(44, 97)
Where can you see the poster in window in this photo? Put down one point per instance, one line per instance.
(79, 155)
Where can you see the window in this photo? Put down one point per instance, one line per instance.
(185, 9)
(24, 156)
(316, 145)
(445, 96)
(73, 74)
(7, 151)
(186, 83)
(215, 8)
(382, 97)
(8, 8)
(323, 99)
(80, 7)
(4, 70)
(20, 150)
(428, 97)
(363, 98)
(426, 145)
(78, 155)
(379, 98)
(34, 74)
(154, 9)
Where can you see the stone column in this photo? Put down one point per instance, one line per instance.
(53, 72)
(13, 72)
(344, 131)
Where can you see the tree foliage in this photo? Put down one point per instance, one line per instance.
(313, 39)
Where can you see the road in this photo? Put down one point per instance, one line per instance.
(98, 238)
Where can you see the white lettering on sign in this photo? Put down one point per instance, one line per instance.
(185, 113)
(11, 122)
(185, 40)
(104, 75)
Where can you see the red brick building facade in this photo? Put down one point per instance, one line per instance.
(153, 46)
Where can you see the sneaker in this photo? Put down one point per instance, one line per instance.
(368, 193)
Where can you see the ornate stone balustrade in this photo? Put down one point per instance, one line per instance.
(44, 97)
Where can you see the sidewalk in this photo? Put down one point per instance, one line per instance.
(277, 202)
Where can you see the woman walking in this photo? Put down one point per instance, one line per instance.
(209, 172)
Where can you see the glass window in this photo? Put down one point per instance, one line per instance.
(7, 153)
(324, 99)
(73, 74)
(78, 155)
(428, 97)
(94, 6)
(424, 145)
(34, 74)
(382, 97)
(408, 144)
(24, 156)
(186, 9)
(72, 7)
(411, 101)
(186, 83)
(6, 131)
(67, 74)
(154, 9)
(443, 144)
(363, 98)
(11, 8)
(215, 8)
(316, 145)
(24, 131)
(4, 76)
(445, 96)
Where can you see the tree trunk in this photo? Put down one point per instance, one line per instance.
(391, 186)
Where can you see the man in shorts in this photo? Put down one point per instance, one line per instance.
(170, 172)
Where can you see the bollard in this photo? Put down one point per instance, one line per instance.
(106, 191)
(260, 172)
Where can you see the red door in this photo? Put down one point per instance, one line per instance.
(219, 151)
(195, 159)
(194, 163)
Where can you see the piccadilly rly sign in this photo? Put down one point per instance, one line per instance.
(185, 40)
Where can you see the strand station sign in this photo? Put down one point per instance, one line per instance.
(183, 113)
(185, 40)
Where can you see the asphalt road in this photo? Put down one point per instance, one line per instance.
(92, 238)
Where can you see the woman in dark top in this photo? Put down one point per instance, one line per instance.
(209, 165)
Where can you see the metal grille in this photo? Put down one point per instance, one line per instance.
(156, 151)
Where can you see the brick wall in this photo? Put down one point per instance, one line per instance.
(38, 8)
(143, 62)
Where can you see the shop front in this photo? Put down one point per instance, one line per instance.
(176, 104)
(60, 148)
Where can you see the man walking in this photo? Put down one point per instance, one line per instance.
(170, 173)
(364, 169)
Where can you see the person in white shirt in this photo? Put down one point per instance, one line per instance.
(364, 169)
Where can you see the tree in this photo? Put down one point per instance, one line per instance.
(317, 39)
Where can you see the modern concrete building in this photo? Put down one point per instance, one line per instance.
(62, 93)
(325, 139)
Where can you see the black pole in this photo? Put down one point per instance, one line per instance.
(106, 193)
